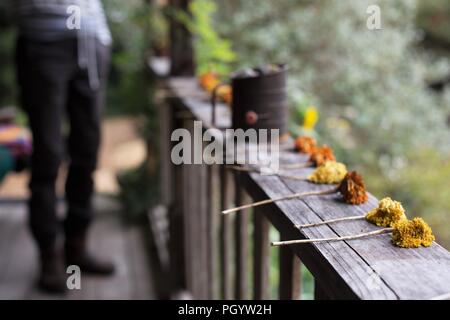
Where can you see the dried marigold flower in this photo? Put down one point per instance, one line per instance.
(412, 233)
(305, 144)
(322, 154)
(328, 173)
(387, 213)
(209, 81)
(225, 93)
(353, 189)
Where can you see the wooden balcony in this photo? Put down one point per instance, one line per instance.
(216, 256)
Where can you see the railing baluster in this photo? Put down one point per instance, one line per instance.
(261, 260)
(211, 230)
(195, 215)
(225, 236)
(290, 274)
(178, 263)
(241, 240)
(201, 228)
(189, 255)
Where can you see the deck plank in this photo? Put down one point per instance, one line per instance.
(18, 274)
(109, 237)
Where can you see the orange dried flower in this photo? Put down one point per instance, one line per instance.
(353, 188)
(225, 93)
(321, 155)
(305, 144)
(209, 81)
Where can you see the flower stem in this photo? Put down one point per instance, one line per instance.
(356, 236)
(291, 196)
(281, 175)
(309, 225)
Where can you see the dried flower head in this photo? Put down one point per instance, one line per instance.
(310, 118)
(305, 144)
(322, 154)
(225, 93)
(412, 233)
(353, 189)
(387, 213)
(209, 81)
(328, 173)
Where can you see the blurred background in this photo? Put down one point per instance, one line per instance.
(380, 98)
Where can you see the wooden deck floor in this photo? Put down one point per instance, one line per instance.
(108, 237)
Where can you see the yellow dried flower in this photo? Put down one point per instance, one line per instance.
(387, 213)
(311, 117)
(412, 233)
(328, 173)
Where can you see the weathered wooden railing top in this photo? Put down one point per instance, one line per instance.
(370, 268)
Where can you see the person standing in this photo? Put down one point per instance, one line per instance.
(62, 60)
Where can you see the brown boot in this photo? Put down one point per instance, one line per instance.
(77, 254)
(52, 278)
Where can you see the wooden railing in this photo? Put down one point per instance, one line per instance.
(215, 256)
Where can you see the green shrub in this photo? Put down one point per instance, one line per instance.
(212, 53)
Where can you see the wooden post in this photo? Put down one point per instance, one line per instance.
(176, 222)
(241, 240)
(181, 51)
(196, 217)
(166, 166)
(212, 214)
(202, 273)
(225, 236)
(290, 275)
(261, 262)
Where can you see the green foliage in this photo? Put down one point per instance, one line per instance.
(138, 192)
(138, 29)
(212, 53)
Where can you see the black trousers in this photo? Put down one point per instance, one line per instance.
(54, 88)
